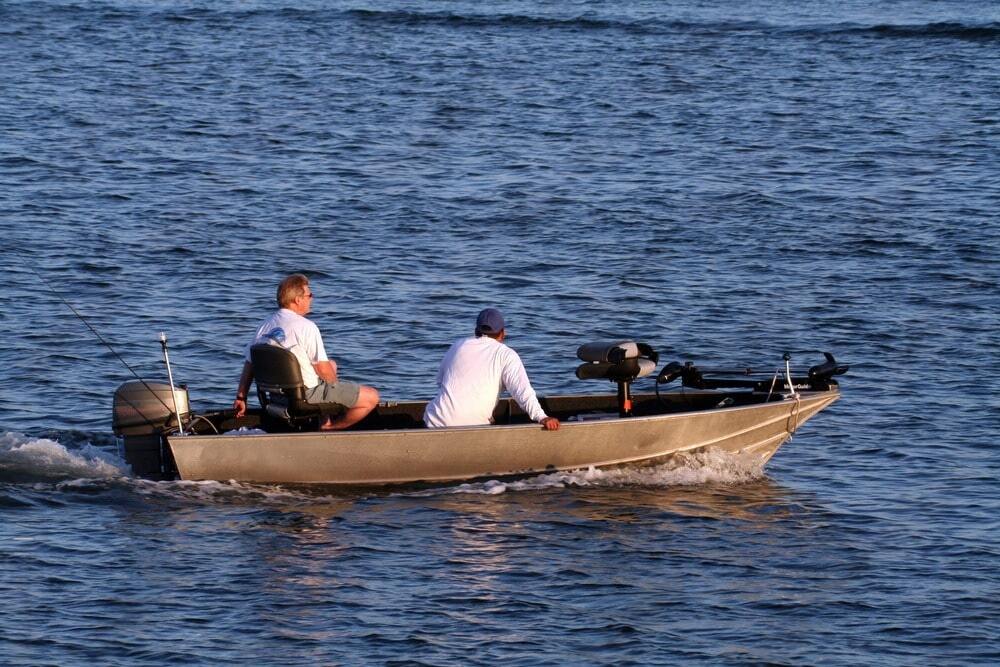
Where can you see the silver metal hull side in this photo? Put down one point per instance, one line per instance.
(400, 456)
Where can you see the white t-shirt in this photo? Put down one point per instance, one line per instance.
(473, 373)
(296, 334)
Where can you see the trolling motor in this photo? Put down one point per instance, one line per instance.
(818, 378)
(621, 362)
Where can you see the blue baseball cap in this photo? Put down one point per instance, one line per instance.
(490, 321)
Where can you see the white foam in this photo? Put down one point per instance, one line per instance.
(230, 491)
(25, 458)
(46, 464)
(703, 467)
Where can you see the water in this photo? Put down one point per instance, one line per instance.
(724, 182)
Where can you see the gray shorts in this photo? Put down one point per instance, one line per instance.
(342, 393)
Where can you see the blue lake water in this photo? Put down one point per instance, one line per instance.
(725, 181)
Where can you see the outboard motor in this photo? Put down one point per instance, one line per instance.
(143, 412)
(620, 362)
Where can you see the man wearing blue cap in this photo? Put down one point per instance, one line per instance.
(472, 375)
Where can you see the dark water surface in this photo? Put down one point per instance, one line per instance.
(725, 181)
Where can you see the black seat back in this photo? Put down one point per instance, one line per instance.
(281, 391)
(277, 371)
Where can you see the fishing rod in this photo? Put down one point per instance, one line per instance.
(108, 345)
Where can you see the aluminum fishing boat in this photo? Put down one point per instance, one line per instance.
(738, 411)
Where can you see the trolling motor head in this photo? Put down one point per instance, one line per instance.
(823, 373)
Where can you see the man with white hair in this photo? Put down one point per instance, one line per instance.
(289, 328)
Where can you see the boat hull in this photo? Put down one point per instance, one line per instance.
(378, 457)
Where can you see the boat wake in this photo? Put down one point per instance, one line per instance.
(25, 458)
(711, 466)
(83, 468)
(74, 466)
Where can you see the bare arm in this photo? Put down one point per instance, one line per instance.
(246, 379)
(326, 370)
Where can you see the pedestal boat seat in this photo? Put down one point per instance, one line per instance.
(621, 362)
(281, 391)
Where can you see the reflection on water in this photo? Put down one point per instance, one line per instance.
(761, 500)
(522, 549)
